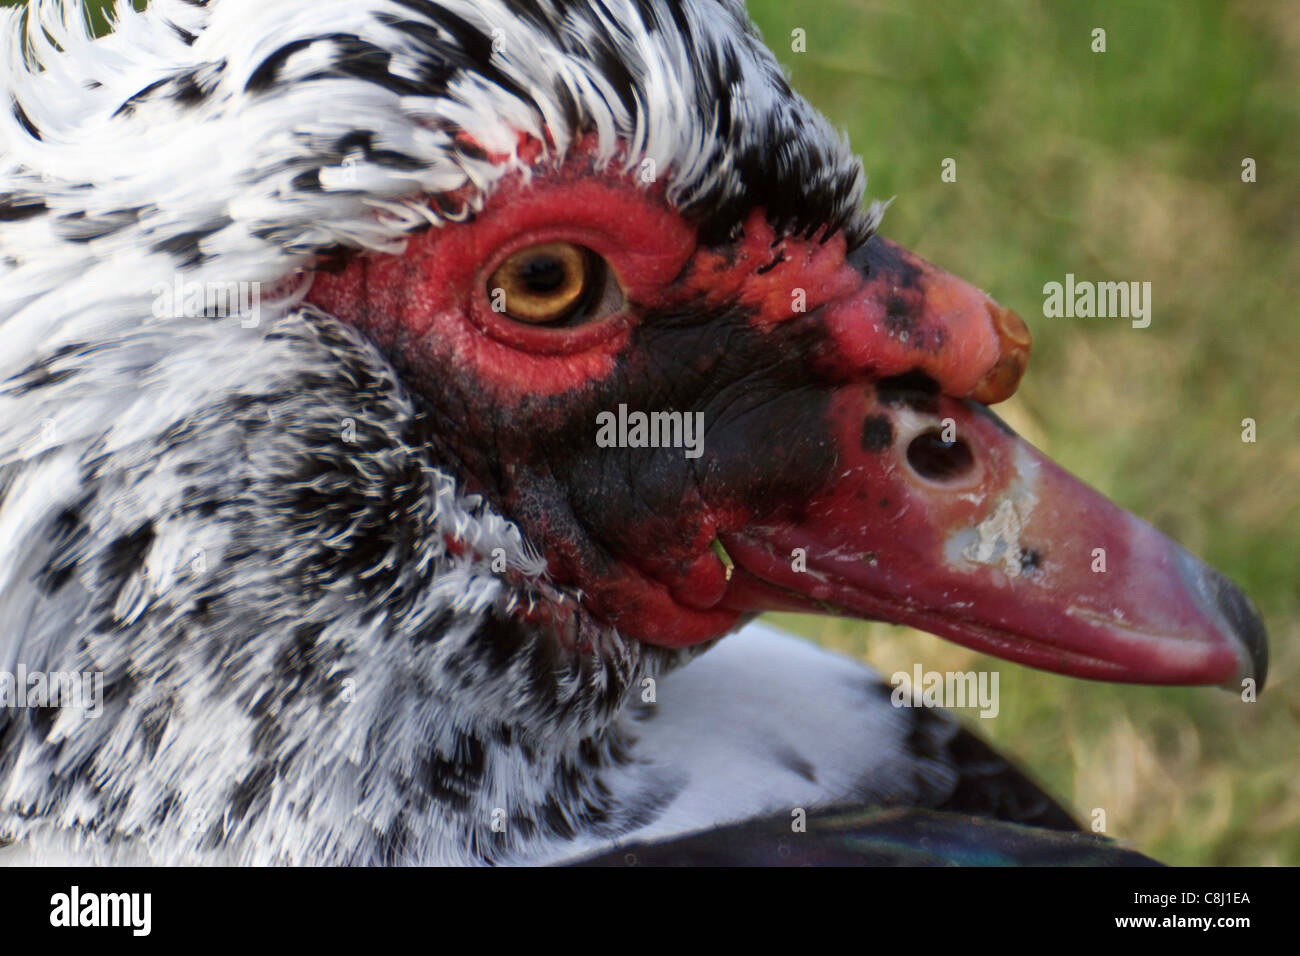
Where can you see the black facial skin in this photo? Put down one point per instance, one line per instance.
(766, 446)
(877, 433)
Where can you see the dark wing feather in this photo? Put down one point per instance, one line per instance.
(955, 770)
(988, 785)
(900, 837)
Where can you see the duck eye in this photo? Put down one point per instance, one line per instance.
(553, 284)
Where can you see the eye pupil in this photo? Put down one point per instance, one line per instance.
(543, 274)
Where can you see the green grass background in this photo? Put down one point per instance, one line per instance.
(1123, 165)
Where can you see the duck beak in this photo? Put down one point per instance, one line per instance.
(939, 516)
(986, 542)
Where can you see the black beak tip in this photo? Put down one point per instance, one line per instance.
(1225, 603)
(1247, 626)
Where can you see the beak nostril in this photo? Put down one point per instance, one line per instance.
(937, 460)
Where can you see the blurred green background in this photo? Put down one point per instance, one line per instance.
(1123, 165)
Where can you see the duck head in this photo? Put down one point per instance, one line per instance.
(694, 424)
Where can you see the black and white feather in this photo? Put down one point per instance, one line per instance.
(297, 667)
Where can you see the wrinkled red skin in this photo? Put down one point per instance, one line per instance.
(715, 330)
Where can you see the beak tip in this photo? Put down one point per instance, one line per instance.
(1238, 619)
(1252, 638)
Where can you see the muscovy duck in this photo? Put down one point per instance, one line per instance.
(313, 314)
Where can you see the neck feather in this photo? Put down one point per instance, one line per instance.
(314, 646)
